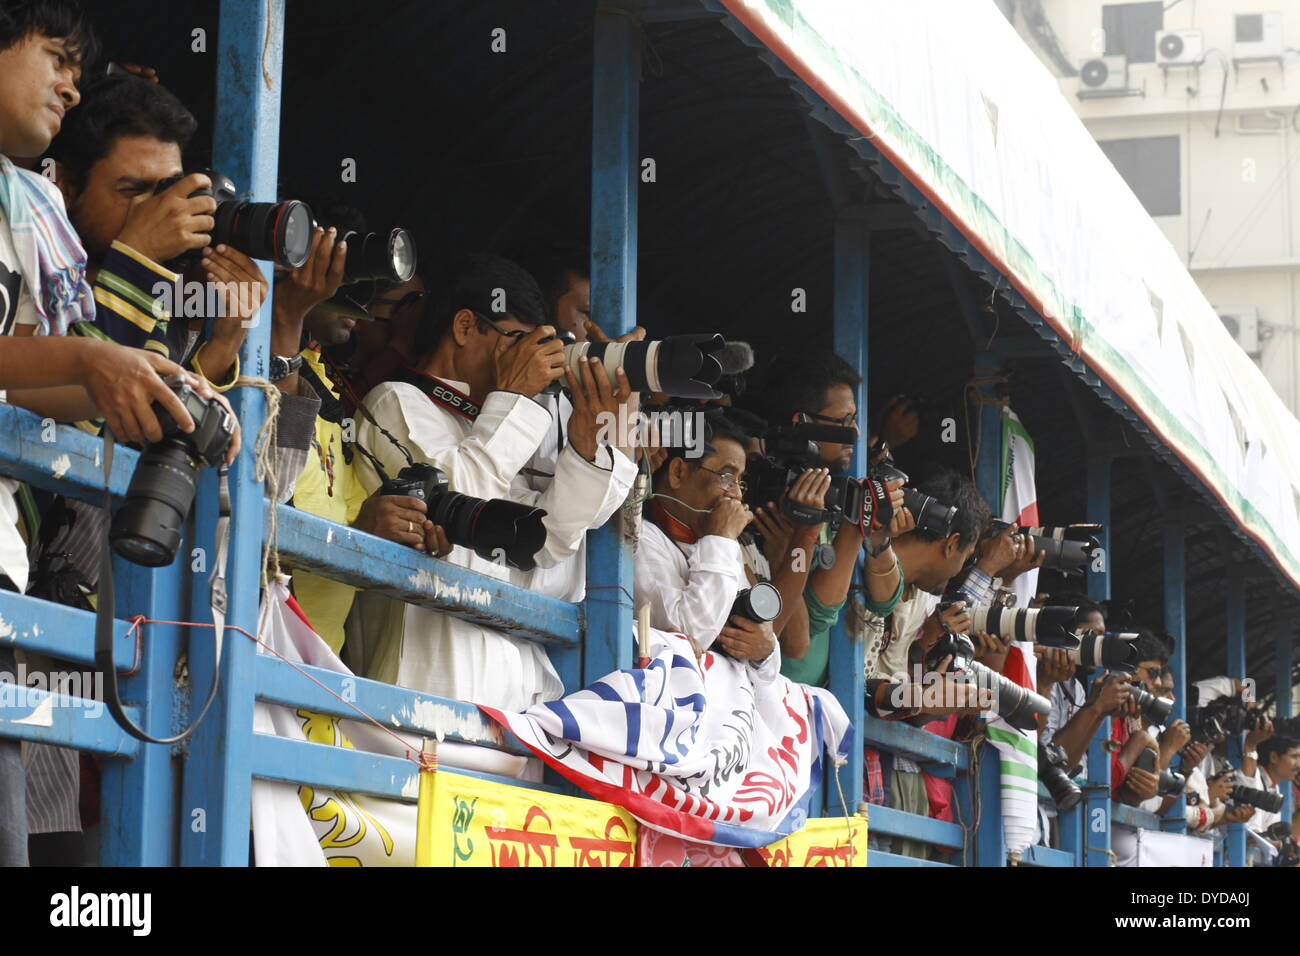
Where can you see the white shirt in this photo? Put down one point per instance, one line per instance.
(16, 308)
(1263, 819)
(434, 652)
(691, 586)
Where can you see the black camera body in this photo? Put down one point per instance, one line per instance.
(147, 529)
(1170, 783)
(1018, 706)
(493, 528)
(1266, 800)
(1054, 771)
(275, 231)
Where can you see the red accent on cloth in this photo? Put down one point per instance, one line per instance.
(670, 526)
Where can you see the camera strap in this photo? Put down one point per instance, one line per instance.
(443, 395)
(105, 610)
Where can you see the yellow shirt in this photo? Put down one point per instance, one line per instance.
(327, 487)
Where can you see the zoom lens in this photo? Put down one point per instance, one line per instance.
(379, 256)
(1049, 626)
(274, 231)
(1112, 651)
(147, 530)
(1065, 793)
(493, 528)
(761, 603)
(683, 366)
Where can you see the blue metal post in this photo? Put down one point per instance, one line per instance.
(852, 278)
(218, 772)
(1236, 627)
(1096, 819)
(990, 842)
(1282, 665)
(615, 168)
(138, 796)
(1176, 627)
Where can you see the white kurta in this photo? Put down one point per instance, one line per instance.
(439, 654)
(690, 587)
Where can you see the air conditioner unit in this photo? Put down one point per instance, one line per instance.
(1179, 47)
(1104, 76)
(1258, 36)
(1242, 323)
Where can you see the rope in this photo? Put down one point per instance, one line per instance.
(264, 469)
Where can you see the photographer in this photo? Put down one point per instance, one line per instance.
(326, 482)
(689, 565)
(467, 408)
(1130, 784)
(44, 291)
(1268, 764)
(818, 388)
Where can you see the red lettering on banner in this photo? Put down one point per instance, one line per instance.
(587, 848)
(839, 855)
(505, 855)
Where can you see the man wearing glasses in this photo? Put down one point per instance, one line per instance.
(689, 565)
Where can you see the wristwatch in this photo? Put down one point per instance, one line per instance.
(1251, 755)
(282, 367)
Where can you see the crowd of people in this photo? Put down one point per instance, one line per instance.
(465, 370)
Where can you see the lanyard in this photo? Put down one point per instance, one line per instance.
(444, 395)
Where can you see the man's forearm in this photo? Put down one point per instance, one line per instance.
(795, 636)
(790, 577)
(63, 403)
(42, 361)
(1078, 732)
(831, 585)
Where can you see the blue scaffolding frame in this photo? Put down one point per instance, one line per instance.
(144, 821)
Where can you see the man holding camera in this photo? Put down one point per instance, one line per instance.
(1270, 762)
(44, 291)
(467, 408)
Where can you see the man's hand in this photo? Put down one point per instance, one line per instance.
(1193, 754)
(1109, 694)
(144, 72)
(991, 650)
(124, 383)
(300, 290)
(436, 541)
(901, 523)
(399, 518)
(998, 552)
(777, 530)
(729, 517)
(596, 334)
(899, 422)
(1143, 784)
(240, 284)
(526, 365)
(595, 407)
(1175, 737)
(956, 617)
(1241, 814)
(1263, 730)
(163, 226)
(957, 696)
(1219, 787)
(1030, 558)
(1054, 665)
(747, 640)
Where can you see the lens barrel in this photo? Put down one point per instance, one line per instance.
(379, 256)
(147, 529)
(684, 366)
(760, 603)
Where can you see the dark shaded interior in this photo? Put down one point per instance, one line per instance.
(473, 149)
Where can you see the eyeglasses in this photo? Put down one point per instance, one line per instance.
(848, 421)
(510, 334)
(726, 480)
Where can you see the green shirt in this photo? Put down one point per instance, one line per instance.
(813, 668)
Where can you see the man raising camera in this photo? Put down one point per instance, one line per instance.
(467, 408)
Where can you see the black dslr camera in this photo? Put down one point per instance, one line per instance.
(1054, 771)
(276, 231)
(1170, 783)
(493, 528)
(147, 530)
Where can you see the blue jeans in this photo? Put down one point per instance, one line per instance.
(13, 788)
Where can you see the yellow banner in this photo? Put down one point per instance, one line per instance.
(825, 841)
(465, 821)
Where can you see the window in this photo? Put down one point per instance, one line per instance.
(1131, 29)
(1150, 166)
(1250, 27)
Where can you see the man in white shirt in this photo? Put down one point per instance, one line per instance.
(689, 565)
(467, 408)
(1271, 765)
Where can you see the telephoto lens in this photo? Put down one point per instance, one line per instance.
(275, 231)
(760, 603)
(493, 528)
(1069, 549)
(932, 515)
(1265, 800)
(147, 529)
(1053, 770)
(683, 366)
(1155, 709)
(379, 256)
(1109, 650)
(1018, 706)
(1049, 626)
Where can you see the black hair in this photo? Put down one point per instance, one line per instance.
(57, 19)
(554, 270)
(950, 488)
(1150, 648)
(1277, 745)
(799, 383)
(480, 282)
(116, 106)
(717, 425)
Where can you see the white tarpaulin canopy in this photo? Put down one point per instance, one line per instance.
(949, 92)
